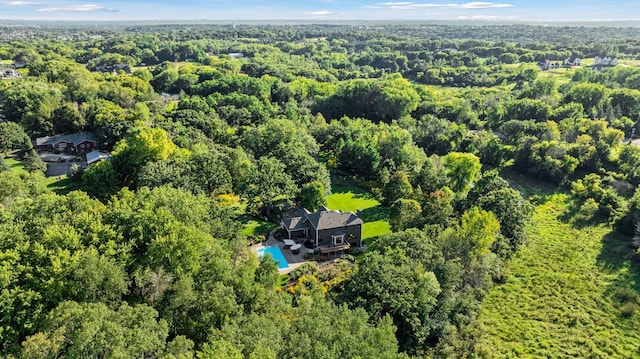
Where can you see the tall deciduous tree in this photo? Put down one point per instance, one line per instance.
(478, 230)
(591, 96)
(312, 196)
(12, 136)
(94, 330)
(140, 146)
(397, 188)
(406, 213)
(268, 183)
(462, 169)
(32, 104)
(391, 284)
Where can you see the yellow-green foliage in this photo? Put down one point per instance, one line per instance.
(569, 293)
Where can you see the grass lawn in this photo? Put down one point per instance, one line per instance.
(253, 227)
(570, 292)
(61, 185)
(352, 198)
(16, 166)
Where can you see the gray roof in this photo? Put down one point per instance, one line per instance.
(95, 156)
(75, 138)
(322, 219)
(333, 219)
(298, 221)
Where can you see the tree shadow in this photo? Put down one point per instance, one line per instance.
(343, 183)
(532, 188)
(617, 251)
(357, 192)
(617, 254)
(372, 214)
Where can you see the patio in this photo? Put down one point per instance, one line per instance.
(323, 253)
(294, 259)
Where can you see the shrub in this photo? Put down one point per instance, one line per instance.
(355, 251)
(628, 309)
(75, 172)
(279, 233)
(305, 269)
(587, 211)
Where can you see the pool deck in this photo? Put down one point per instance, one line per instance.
(294, 260)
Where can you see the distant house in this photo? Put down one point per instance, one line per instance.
(329, 231)
(604, 61)
(96, 156)
(115, 69)
(78, 142)
(236, 55)
(547, 64)
(7, 73)
(568, 62)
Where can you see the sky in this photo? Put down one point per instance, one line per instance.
(325, 10)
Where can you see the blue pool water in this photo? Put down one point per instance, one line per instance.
(276, 254)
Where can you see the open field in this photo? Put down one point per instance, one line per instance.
(561, 76)
(570, 292)
(354, 198)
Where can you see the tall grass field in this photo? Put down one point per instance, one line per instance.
(570, 292)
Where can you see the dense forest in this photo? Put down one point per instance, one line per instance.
(457, 131)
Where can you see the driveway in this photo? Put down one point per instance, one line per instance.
(62, 168)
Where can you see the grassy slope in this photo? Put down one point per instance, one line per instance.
(353, 198)
(560, 296)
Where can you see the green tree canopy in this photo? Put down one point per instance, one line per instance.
(462, 169)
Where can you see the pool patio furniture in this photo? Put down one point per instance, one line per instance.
(295, 249)
(289, 243)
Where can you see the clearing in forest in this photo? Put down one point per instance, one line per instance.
(570, 292)
(354, 198)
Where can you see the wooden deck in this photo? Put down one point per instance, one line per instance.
(334, 249)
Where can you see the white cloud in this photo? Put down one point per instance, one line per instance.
(78, 8)
(398, 3)
(408, 5)
(22, 3)
(321, 13)
(488, 17)
(483, 5)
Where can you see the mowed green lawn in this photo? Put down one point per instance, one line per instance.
(16, 166)
(253, 227)
(60, 185)
(570, 292)
(354, 198)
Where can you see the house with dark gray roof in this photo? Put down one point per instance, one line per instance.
(328, 230)
(77, 142)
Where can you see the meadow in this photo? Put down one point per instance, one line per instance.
(570, 292)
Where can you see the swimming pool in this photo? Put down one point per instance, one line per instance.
(276, 254)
